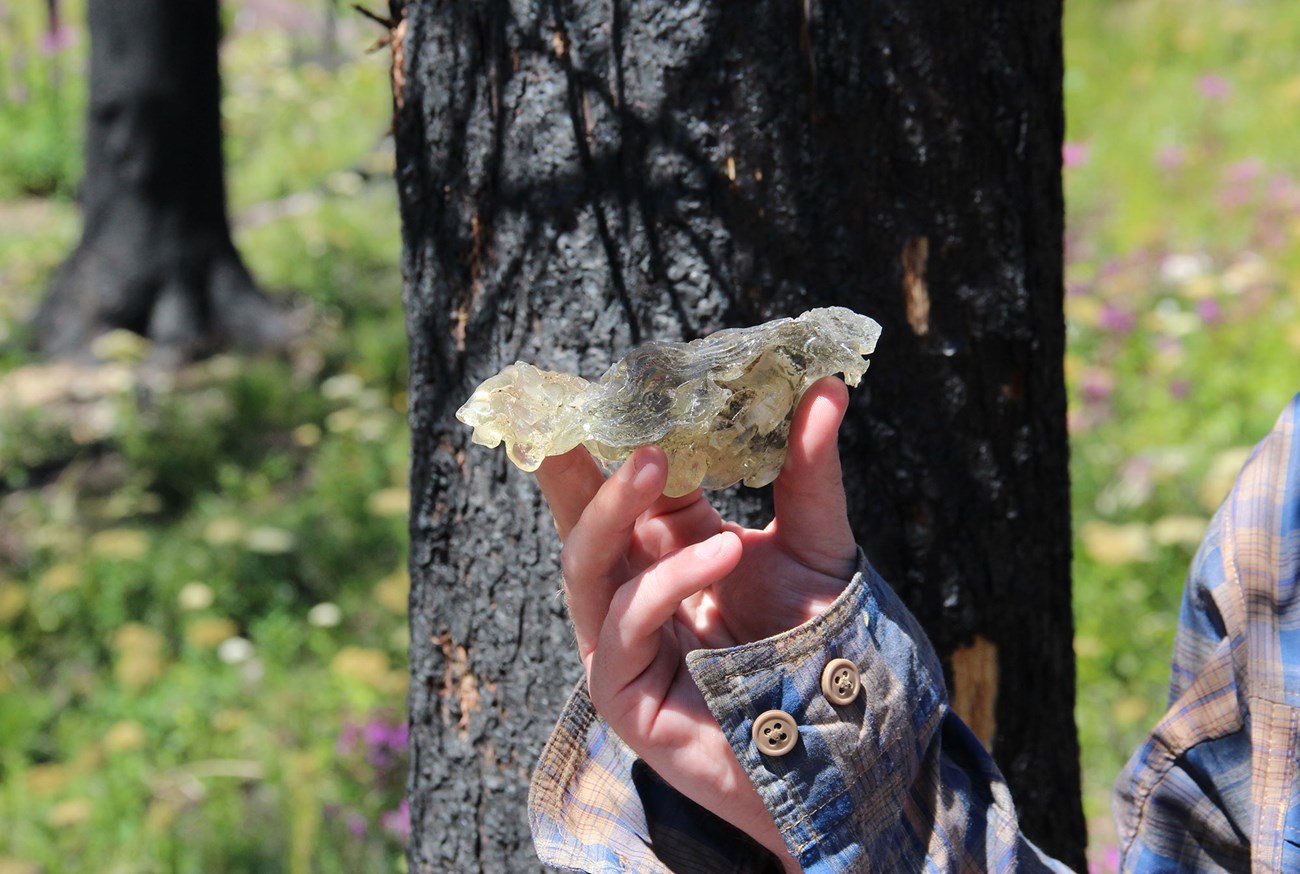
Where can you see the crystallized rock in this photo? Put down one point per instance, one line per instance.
(720, 407)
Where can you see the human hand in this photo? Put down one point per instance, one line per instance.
(650, 578)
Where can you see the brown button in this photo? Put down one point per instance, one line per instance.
(775, 733)
(841, 682)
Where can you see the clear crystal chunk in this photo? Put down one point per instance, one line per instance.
(720, 407)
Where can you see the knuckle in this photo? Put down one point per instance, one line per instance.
(621, 603)
(569, 563)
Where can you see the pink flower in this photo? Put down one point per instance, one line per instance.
(383, 740)
(1075, 154)
(398, 822)
(1247, 170)
(1097, 386)
(1214, 87)
(56, 40)
(381, 734)
(1209, 311)
(1283, 192)
(1171, 157)
(1180, 388)
(1116, 320)
(1234, 195)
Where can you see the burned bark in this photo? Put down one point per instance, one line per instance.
(156, 255)
(577, 177)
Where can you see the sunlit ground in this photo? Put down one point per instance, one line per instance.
(202, 629)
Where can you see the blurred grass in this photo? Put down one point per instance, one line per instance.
(1183, 203)
(202, 585)
(202, 630)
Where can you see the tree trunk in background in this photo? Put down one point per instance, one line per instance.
(155, 255)
(579, 177)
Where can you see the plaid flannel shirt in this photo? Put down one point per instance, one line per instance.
(895, 782)
(1214, 787)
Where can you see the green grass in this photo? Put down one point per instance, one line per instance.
(202, 616)
(1184, 272)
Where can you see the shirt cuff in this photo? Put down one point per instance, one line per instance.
(852, 766)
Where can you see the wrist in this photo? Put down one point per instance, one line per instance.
(762, 829)
(789, 865)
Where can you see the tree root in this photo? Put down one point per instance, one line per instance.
(189, 307)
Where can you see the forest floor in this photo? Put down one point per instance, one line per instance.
(202, 584)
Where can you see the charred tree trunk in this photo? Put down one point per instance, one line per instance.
(578, 177)
(155, 255)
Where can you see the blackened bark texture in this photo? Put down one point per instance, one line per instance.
(156, 256)
(578, 177)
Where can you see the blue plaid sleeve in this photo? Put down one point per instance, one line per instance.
(1215, 785)
(892, 781)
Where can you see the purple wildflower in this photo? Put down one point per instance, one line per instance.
(356, 824)
(398, 822)
(1116, 320)
(399, 737)
(1239, 183)
(379, 758)
(1283, 192)
(383, 740)
(1234, 195)
(1247, 170)
(394, 736)
(1214, 87)
(376, 733)
(1097, 386)
(1180, 388)
(1209, 311)
(55, 40)
(1171, 157)
(1075, 154)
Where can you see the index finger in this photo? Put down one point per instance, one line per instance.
(568, 483)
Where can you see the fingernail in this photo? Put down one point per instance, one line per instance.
(642, 470)
(632, 467)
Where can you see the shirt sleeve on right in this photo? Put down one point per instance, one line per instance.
(1216, 785)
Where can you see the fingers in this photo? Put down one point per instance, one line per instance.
(811, 510)
(568, 483)
(675, 523)
(594, 557)
(632, 638)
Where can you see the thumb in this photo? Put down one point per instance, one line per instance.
(812, 521)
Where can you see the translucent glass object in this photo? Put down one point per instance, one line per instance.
(720, 407)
